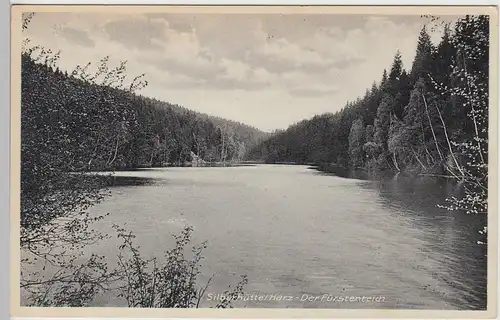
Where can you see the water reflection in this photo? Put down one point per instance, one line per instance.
(297, 231)
(122, 181)
(451, 234)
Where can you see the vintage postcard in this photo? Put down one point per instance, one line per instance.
(253, 161)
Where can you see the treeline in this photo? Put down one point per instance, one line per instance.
(75, 124)
(82, 123)
(418, 120)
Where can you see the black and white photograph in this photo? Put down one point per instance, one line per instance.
(254, 159)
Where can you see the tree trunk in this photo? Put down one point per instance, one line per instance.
(116, 151)
(432, 129)
(395, 161)
(152, 155)
(94, 152)
(165, 152)
(223, 158)
(416, 157)
(449, 144)
(425, 146)
(473, 113)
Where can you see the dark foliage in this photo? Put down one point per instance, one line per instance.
(408, 118)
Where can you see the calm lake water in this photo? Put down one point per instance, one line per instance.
(298, 233)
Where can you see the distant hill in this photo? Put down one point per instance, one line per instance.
(80, 124)
(243, 132)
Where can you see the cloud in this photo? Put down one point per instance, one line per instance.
(300, 65)
(199, 64)
(77, 36)
(312, 92)
(241, 76)
(181, 23)
(137, 33)
(235, 84)
(223, 74)
(261, 42)
(199, 67)
(347, 63)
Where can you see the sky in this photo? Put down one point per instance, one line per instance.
(265, 70)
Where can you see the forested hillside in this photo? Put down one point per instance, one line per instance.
(84, 124)
(73, 125)
(430, 118)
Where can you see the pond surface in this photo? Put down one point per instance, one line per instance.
(297, 233)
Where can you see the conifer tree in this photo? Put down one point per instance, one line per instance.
(395, 74)
(382, 122)
(422, 64)
(356, 142)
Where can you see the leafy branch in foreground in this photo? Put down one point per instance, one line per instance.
(56, 191)
(169, 282)
(74, 285)
(470, 90)
(166, 283)
(67, 125)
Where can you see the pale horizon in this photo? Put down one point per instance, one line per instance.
(266, 71)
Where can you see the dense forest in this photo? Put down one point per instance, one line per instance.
(76, 124)
(430, 119)
(417, 120)
(101, 127)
